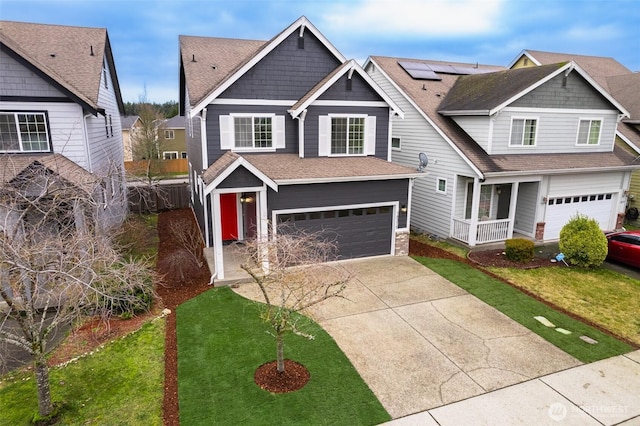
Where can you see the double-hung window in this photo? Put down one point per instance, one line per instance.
(169, 134)
(23, 132)
(589, 132)
(523, 132)
(346, 134)
(247, 132)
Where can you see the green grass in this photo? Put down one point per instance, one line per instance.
(139, 236)
(221, 342)
(121, 384)
(599, 295)
(522, 308)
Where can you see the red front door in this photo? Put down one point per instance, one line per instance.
(229, 216)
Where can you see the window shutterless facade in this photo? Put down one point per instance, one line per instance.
(395, 143)
(24, 132)
(589, 132)
(169, 134)
(523, 132)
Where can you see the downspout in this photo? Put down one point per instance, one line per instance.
(301, 118)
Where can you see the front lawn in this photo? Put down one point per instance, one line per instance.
(601, 296)
(118, 385)
(523, 309)
(221, 342)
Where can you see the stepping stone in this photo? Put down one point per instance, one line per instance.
(562, 330)
(544, 321)
(589, 340)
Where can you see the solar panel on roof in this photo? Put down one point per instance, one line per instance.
(445, 69)
(419, 71)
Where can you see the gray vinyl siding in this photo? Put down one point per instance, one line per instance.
(477, 127)
(194, 145)
(527, 202)
(311, 130)
(213, 126)
(556, 132)
(431, 212)
(18, 80)
(360, 90)
(241, 178)
(584, 184)
(577, 94)
(339, 194)
(287, 72)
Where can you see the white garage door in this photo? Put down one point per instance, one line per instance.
(561, 209)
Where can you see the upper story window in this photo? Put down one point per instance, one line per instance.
(523, 132)
(248, 132)
(589, 132)
(342, 134)
(347, 135)
(169, 134)
(395, 143)
(23, 132)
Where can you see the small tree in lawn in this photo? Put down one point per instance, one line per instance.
(293, 275)
(56, 265)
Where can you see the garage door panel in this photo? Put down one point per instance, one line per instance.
(357, 232)
(561, 209)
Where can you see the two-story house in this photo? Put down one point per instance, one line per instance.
(615, 78)
(511, 152)
(172, 138)
(60, 107)
(290, 131)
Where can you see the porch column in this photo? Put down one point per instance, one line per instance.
(217, 235)
(512, 208)
(475, 208)
(263, 228)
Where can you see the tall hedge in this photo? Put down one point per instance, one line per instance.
(582, 242)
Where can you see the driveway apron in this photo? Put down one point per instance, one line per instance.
(420, 341)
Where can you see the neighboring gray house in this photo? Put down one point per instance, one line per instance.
(289, 130)
(511, 151)
(60, 102)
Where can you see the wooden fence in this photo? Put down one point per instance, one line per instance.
(158, 167)
(145, 199)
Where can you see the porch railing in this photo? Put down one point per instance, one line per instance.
(487, 231)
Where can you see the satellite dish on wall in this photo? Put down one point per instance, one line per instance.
(424, 161)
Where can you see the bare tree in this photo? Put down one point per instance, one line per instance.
(188, 235)
(56, 265)
(293, 274)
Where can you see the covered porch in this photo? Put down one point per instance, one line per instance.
(489, 212)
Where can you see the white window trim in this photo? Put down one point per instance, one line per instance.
(171, 132)
(522, 145)
(438, 190)
(399, 148)
(369, 141)
(589, 119)
(16, 122)
(170, 152)
(277, 132)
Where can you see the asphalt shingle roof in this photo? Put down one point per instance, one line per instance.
(71, 56)
(428, 95)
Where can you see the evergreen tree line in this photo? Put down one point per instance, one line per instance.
(167, 109)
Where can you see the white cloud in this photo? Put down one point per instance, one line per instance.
(415, 17)
(599, 33)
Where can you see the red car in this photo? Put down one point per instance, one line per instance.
(624, 247)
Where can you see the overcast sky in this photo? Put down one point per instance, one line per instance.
(144, 33)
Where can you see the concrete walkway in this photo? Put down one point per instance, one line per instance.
(420, 342)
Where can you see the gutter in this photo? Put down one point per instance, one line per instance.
(349, 179)
(563, 171)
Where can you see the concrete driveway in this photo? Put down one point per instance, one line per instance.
(420, 342)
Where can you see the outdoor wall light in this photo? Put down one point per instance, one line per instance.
(246, 198)
(403, 209)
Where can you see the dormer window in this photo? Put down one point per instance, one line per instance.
(23, 132)
(523, 132)
(589, 132)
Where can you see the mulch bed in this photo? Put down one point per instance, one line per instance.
(294, 376)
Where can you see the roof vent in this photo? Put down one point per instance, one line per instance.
(92, 51)
(53, 55)
(193, 58)
(214, 67)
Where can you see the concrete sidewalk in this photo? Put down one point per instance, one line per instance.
(421, 342)
(606, 392)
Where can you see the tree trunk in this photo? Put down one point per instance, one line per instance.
(45, 406)
(280, 352)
